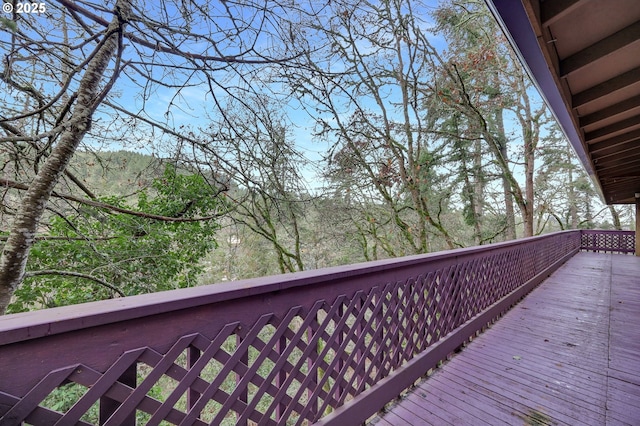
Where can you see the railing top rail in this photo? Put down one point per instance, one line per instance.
(31, 325)
(606, 231)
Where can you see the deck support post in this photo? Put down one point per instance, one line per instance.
(637, 223)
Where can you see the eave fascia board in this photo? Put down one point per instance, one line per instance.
(514, 21)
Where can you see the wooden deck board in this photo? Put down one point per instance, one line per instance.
(545, 386)
(568, 382)
(492, 398)
(477, 400)
(541, 398)
(447, 397)
(425, 414)
(569, 353)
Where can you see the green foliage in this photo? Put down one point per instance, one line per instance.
(133, 254)
(65, 396)
(8, 24)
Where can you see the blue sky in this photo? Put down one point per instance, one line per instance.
(191, 106)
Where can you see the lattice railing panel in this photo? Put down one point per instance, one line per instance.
(269, 353)
(608, 241)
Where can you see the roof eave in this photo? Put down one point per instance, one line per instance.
(516, 25)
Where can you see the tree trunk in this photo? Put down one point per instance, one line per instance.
(573, 202)
(510, 231)
(615, 216)
(527, 213)
(478, 184)
(530, 130)
(15, 253)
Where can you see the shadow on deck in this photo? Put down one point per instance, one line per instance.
(569, 353)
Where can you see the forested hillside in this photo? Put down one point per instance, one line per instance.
(118, 173)
(280, 138)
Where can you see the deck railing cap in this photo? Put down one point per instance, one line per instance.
(29, 325)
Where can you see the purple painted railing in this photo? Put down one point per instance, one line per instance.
(609, 241)
(329, 346)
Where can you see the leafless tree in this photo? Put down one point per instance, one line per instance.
(120, 72)
(251, 147)
(365, 91)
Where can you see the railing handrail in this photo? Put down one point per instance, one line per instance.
(46, 322)
(321, 337)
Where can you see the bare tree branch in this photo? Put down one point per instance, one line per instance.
(16, 185)
(77, 275)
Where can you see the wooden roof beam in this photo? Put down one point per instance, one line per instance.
(630, 170)
(551, 11)
(612, 128)
(600, 49)
(621, 185)
(617, 144)
(615, 160)
(610, 111)
(607, 87)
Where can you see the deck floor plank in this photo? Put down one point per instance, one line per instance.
(569, 353)
(446, 396)
(570, 383)
(583, 400)
(432, 412)
(535, 397)
(497, 398)
(511, 401)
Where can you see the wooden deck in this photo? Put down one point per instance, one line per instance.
(568, 354)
